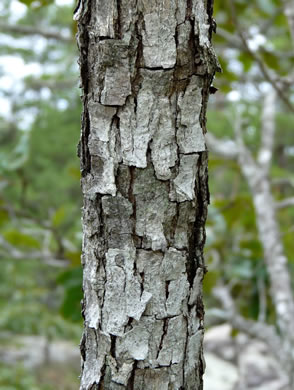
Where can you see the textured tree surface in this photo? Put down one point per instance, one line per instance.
(146, 67)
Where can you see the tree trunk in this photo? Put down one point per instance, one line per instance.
(146, 68)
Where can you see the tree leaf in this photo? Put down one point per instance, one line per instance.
(18, 239)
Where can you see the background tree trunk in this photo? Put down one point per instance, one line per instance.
(146, 68)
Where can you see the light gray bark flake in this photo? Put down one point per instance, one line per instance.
(135, 133)
(117, 86)
(120, 375)
(190, 134)
(104, 16)
(158, 39)
(152, 208)
(173, 344)
(184, 183)
(202, 24)
(163, 147)
(123, 298)
(151, 119)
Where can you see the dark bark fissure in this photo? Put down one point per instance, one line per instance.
(156, 68)
(164, 332)
(118, 22)
(211, 21)
(205, 96)
(85, 154)
(84, 71)
(131, 382)
(102, 38)
(137, 42)
(189, 9)
(201, 213)
(142, 276)
(112, 347)
(197, 238)
(83, 347)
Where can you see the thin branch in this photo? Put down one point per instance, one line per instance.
(28, 30)
(269, 235)
(38, 84)
(16, 254)
(224, 148)
(245, 159)
(283, 82)
(282, 182)
(284, 203)
(267, 131)
(232, 40)
(289, 11)
(269, 21)
(262, 300)
(255, 329)
(261, 64)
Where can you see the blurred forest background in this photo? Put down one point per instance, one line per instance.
(251, 115)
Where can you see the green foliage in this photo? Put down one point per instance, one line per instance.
(36, 3)
(258, 17)
(17, 157)
(28, 303)
(51, 377)
(71, 280)
(18, 239)
(40, 197)
(18, 378)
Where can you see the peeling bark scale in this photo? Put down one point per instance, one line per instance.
(146, 67)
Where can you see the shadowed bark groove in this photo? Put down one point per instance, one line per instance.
(146, 68)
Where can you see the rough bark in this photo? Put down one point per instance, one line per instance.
(146, 67)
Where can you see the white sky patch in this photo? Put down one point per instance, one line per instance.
(17, 43)
(6, 83)
(253, 30)
(26, 118)
(264, 156)
(5, 107)
(17, 10)
(235, 66)
(234, 96)
(37, 43)
(289, 151)
(40, 44)
(250, 92)
(62, 104)
(45, 93)
(265, 87)
(31, 95)
(16, 69)
(64, 2)
(257, 41)
(33, 68)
